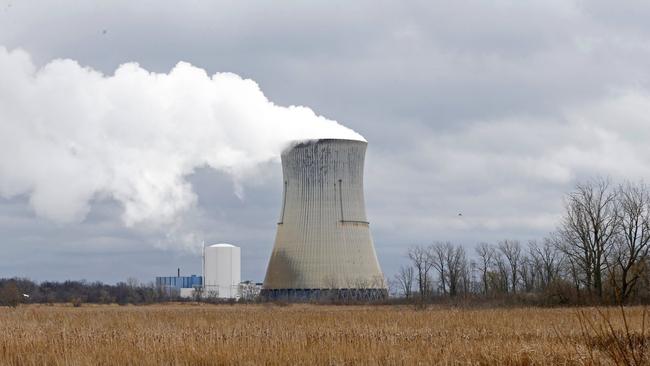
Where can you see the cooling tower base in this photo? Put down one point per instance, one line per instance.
(306, 295)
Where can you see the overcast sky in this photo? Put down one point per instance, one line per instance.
(490, 109)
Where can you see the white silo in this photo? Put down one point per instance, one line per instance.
(222, 271)
(323, 246)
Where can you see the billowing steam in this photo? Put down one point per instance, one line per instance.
(69, 134)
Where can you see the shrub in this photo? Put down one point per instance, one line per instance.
(9, 294)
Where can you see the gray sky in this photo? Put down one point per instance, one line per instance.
(493, 109)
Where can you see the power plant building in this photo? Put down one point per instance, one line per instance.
(179, 285)
(323, 246)
(221, 271)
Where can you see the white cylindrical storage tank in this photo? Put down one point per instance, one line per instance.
(222, 272)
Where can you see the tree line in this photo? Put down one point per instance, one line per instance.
(14, 291)
(597, 254)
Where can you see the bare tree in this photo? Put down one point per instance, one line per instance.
(486, 254)
(439, 254)
(574, 272)
(511, 249)
(467, 277)
(546, 259)
(528, 273)
(422, 264)
(588, 230)
(404, 280)
(450, 262)
(499, 277)
(456, 268)
(633, 240)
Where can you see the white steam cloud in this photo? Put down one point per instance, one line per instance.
(69, 134)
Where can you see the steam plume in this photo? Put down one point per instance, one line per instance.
(69, 134)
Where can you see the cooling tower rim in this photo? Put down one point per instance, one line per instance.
(306, 142)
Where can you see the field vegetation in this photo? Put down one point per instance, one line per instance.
(200, 334)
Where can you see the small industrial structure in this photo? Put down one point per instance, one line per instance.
(222, 271)
(323, 247)
(183, 286)
(221, 277)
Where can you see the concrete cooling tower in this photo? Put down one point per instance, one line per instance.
(323, 247)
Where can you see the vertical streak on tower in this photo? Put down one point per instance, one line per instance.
(323, 245)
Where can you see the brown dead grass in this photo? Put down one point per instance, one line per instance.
(297, 334)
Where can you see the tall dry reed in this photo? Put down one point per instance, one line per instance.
(297, 334)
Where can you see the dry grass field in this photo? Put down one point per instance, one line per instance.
(185, 334)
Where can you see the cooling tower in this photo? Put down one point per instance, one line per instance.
(323, 247)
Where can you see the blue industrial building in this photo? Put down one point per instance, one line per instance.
(176, 283)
